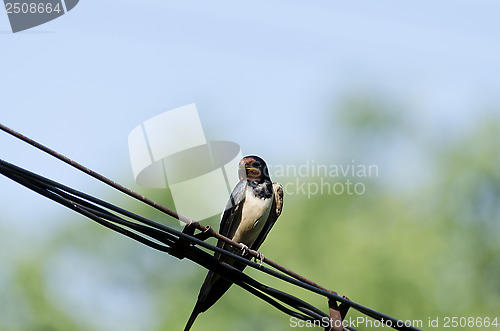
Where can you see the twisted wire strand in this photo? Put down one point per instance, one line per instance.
(164, 238)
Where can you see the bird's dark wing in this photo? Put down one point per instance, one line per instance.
(273, 215)
(214, 285)
(231, 216)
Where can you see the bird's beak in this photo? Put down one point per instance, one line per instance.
(245, 166)
(242, 171)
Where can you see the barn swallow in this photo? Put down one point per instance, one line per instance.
(253, 208)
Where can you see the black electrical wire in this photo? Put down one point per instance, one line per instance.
(166, 239)
(47, 188)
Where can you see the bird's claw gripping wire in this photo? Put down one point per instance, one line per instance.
(244, 249)
(260, 257)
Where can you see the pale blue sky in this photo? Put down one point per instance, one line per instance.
(258, 71)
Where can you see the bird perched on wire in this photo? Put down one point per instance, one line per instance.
(253, 208)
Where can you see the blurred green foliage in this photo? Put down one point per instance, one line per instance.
(412, 254)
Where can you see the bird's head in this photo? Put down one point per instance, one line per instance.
(253, 168)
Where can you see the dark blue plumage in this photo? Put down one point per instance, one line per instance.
(252, 209)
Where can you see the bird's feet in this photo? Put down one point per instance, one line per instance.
(245, 253)
(244, 250)
(260, 257)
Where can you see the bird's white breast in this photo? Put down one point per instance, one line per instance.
(253, 217)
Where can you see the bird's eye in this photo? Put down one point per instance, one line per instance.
(256, 164)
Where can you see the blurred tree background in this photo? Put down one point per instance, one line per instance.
(415, 246)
